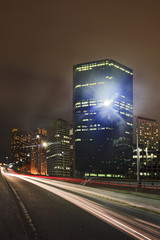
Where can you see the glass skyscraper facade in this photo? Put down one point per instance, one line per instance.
(103, 118)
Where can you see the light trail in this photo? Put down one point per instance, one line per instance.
(148, 223)
(95, 209)
(92, 182)
(80, 188)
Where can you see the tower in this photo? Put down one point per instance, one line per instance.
(103, 118)
(58, 150)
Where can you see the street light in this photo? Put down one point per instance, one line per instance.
(44, 144)
(63, 153)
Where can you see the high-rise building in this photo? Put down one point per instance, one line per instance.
(147, 133)
(148, 144)
(103, 118)
(58, 150)
(20, 151)
(38, 152)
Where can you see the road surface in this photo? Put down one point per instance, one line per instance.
(50, 209)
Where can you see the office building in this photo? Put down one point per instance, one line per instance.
(38, 152)
(103, 118)
(20, 151)
(148, 144)
(147, 133)
(58, 150)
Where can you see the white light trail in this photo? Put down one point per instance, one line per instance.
(91, 207)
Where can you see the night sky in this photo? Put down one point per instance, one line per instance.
(40, 41)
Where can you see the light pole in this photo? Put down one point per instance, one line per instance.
(146, 154)
(44, 162)
(138, 155)
(63, 162)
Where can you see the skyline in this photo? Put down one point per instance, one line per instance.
(38, 53)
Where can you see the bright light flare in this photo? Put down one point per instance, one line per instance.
(107, 103)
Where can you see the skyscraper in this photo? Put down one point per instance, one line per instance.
(20, 151)
(38, 152)
(148, 133)
(58, 150)
(147, 130)
(103, 118)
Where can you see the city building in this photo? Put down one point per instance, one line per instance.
(148, 133)
(148, 143)
(20, 151)
(103, 118)
(38, 152)
(58, 150)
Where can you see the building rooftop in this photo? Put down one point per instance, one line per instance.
(146, 119)
(109, 60)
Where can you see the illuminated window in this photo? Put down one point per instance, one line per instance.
(78, 140)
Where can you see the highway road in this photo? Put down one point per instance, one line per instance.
(49, 209)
